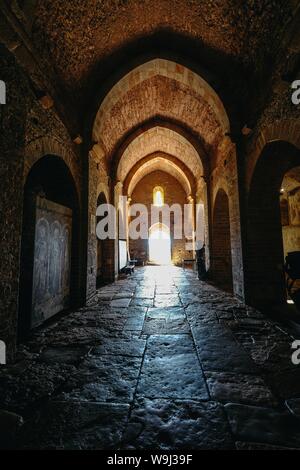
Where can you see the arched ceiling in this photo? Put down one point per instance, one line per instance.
(79, 34)
(161, 88)
(79, 49)
(159, 139)
(162, 164)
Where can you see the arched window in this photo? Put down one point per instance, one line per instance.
(158, 196)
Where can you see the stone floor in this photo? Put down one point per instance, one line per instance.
(159, 360)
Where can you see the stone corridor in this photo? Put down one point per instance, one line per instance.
(159, 360)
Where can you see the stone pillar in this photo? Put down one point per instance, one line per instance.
(191, 225)
(118, 191)
(202, 199)
(91, 235)
(235, 221)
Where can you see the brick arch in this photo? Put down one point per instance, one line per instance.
(161, 88)
(50, 146)
(287, 130)
(163, 164)
(264, 264)
(159, 139)
(221, 262)
(49, 180)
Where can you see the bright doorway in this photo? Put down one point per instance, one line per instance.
(159, 244)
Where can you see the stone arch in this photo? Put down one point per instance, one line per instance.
(38, 148)
(173, 71)
(264, 266)
(50, 194)
(159, 139)
(287, 130)
(221, 262)
(141, 94)
(158, 163)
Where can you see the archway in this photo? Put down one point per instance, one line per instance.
(160, 162)
(159, 244)
(172, 87)
(50, 256)
(265, 279)
(221, 242)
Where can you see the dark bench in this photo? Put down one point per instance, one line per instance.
(129, 268)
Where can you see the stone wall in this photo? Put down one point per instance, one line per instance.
(12, 140)
(28, 132)
(277, 133)
(225, 177)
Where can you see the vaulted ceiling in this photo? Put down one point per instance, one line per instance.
(81, 33)
(90, 40)
(159, 139)
(86, 46)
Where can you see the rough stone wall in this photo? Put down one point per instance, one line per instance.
(28, 132)
(279, 121)
(174, 194)
(12, 140)
(225, 176)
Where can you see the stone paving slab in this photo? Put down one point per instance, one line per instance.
(228, 387)
(120, 302)
(189, 299)
(218, 351)
(198, 314)
(176, 425)
(32, 386)
(134, 323)
(124, 295)
(144, 293)
(82, 335)
(64, 354)
(166, 300)
(141, 302)
(168, 345)
(167, 372)
(122, 345)
(170, 320)
(174, 367)
(166, 290)
(76, 426)
(103, 378)
(257, 424)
